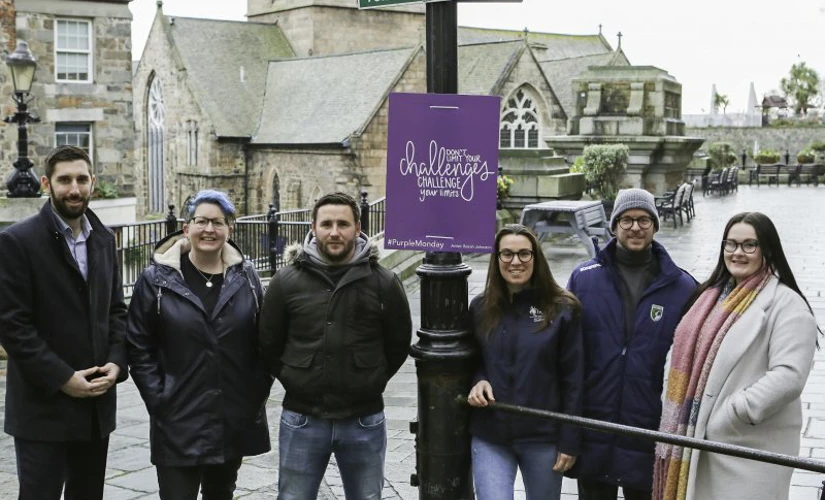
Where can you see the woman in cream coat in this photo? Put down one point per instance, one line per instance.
(751, 394)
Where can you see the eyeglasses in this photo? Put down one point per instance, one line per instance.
(201, 222)
(748, 246)
(627, 222)
(507, 256)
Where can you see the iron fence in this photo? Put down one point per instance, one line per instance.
(809, 464)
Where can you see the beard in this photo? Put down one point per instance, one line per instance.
(339, 256)
(66, 211)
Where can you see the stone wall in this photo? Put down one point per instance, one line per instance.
(319, 30)
(527, 71)
(302, 176)
(370, 146)
(8, 134)
(106, 103)
(779, 139)
(220, 164)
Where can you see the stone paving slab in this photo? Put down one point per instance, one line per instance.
(694, 247)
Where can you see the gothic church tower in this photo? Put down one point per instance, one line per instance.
(325, 27)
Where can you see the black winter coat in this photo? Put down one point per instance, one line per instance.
(334, 347)
(199, 375)
(53, 322)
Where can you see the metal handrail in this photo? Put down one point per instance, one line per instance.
(808, 464)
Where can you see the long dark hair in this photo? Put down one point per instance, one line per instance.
(550, 296)
(771, 247)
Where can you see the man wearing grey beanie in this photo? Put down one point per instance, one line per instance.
(632, 296)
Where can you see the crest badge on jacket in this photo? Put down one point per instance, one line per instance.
(656, 312)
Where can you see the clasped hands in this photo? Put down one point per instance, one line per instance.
(92, 382)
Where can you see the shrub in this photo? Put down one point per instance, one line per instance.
(817, 147)
(578, 166)
(805, 156)
(721, 155)
(766, 157)
(503, 184)
(603, 166)
(105, 190)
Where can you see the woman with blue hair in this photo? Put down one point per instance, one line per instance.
(193, 356)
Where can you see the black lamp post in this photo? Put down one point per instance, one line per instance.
(22, 183)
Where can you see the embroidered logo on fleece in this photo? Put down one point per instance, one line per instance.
(656, 312)
(536, 315)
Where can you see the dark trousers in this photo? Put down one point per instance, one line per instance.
(217, 482)
(595, 490)
(43, 468)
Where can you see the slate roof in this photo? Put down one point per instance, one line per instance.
(559, 46)
(561, 72)
(480, 66)
(323, 100)
(213, 53)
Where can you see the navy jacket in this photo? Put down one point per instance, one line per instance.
(623, 379)
(199, 373)
(531, 367)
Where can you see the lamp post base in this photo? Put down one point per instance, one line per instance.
(23, 184)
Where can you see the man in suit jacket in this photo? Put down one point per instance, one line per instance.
(62, 323)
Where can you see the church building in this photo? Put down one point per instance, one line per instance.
(293, 102)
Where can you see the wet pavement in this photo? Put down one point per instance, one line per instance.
(796, 211)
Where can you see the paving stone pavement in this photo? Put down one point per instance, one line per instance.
(796, 211)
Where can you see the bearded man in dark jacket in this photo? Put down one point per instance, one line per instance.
(62, 323)
(334, 327)
(633, 296)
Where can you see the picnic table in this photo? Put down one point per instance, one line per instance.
(585, 219)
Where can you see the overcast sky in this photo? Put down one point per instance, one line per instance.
(729, 43)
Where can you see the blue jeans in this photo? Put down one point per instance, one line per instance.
(494, 470)
(306, 443)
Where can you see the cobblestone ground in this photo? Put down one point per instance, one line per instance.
(797, 213)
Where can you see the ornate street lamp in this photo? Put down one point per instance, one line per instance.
(22, 183)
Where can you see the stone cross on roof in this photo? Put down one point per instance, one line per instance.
(620, 41)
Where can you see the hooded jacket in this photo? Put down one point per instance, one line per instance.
(528, 366)
(199, 374)
(624, 370)
(332, 345)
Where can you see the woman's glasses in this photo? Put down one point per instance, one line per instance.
(507, 256)
(748, 246)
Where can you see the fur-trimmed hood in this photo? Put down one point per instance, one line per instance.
(308, 250)
(168, 252)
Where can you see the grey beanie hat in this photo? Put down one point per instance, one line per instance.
(628, 199)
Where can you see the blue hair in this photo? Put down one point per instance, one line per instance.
(218, 198)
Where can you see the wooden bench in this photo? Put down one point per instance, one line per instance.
(769, 172)
(810, 171)
(585, 219)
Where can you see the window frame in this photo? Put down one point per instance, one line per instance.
(88, 52)
(520, 125)
(91, 133)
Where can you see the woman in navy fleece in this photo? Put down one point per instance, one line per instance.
(530, 338)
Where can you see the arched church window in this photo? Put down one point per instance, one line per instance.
(520, 124)
(155, 147)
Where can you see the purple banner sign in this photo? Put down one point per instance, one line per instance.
(442, 164)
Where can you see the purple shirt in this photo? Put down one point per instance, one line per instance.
(77, 246)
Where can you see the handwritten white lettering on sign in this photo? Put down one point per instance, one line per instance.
(450, 173)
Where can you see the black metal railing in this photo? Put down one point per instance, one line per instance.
(803, 463)
(376, 216)
(136, 242)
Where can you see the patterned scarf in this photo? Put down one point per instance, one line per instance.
(695, 344)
